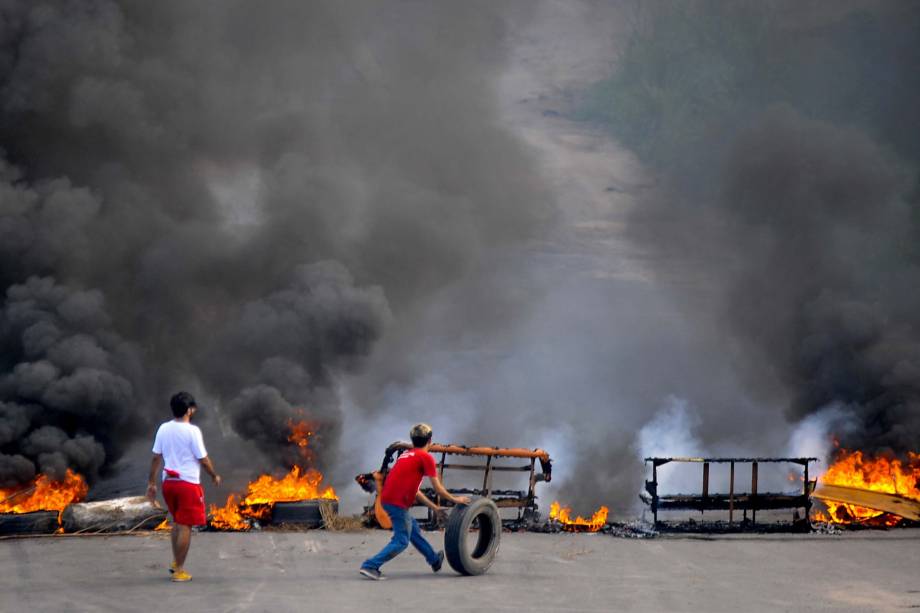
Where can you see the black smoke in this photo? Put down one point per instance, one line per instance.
(237, 198)
(788, 217)
(70, 383)
(826, 287)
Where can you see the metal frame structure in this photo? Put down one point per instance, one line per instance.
(752, 501)
(522, 500)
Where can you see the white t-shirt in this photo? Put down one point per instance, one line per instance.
(182, 447)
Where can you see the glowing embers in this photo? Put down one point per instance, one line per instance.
(854, 469)
(563, 515)
(262, 494)
(44, 494)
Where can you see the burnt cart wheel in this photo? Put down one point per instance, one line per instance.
(472, 536)
(302, 513)
(37, 522)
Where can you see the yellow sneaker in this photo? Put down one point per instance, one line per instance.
(172, 567)
(181, 575)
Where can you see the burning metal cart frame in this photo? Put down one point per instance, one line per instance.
(522, 500)
(752, 501)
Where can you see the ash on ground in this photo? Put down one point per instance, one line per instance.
(635, 529)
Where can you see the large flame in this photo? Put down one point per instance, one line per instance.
(44, 494)
(563, 515)
(879, 474)
(229, 516)
(264, 492)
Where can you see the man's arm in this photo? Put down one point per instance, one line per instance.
(443, 493)
(155, 464)
(209, 468)
(425, 500)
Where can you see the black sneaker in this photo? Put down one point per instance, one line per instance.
(437, 565)
(372, 573)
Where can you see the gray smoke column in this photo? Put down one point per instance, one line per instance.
(237, 198)
(783, 224)
(809, 249)
(828, 287)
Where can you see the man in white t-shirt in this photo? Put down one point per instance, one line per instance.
(179, 449)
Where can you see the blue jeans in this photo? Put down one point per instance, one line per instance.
(405, 531)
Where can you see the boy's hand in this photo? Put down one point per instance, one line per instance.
(461, 499)
(217, 480)
(152, 492)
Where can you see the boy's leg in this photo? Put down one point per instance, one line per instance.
(398, 543)
(183, 536)
(174, 539)
(419, 542)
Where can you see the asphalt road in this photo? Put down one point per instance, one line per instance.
(317, 571)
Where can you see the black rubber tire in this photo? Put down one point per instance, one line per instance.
(37, 522)
(459, 555)
(302, 513)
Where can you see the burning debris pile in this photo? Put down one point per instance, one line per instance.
(262, 495)
(48, 505)
(562, 516)
(869, 491)
(43, 494)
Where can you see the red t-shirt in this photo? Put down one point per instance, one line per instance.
(405, 477)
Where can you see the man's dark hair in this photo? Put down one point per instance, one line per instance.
(181, 402)
(420, 435)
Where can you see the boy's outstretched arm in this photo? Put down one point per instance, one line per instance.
(425, 500)
(443, 493)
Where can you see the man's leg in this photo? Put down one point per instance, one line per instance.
(398, 543)
(183, 538)
(173, 539)
(419, 542)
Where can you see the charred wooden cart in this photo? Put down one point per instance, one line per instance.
(491, 460)
(734, 501)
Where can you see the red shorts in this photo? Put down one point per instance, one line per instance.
(185, 502)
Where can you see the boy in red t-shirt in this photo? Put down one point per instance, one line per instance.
(399, 493)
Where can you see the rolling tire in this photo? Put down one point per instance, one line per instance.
(475, 559)
(302, 513)
(36, 522)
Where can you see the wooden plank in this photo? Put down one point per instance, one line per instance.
(889, 503)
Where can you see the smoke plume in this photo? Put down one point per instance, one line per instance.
(789, 220)
(238, 199)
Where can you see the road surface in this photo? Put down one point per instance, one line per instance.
(317, 571)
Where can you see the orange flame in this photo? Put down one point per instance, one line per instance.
(301, 431)
(44, 494)
(163, 525)
(295, 485)
(264, 492)
(854, 469)
(228, 517)
(579, 524)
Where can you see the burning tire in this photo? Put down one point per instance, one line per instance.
(36, 522)
(473, 556)
(304, 513)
